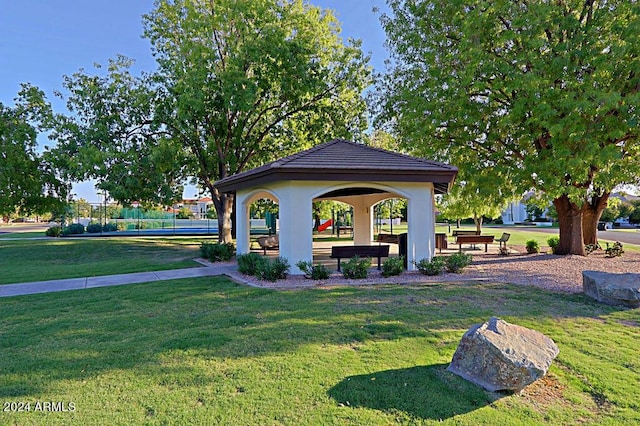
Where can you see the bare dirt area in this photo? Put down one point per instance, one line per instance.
(546, 271)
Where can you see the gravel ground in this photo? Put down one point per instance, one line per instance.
(547, 271)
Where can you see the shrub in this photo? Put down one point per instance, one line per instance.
(457, 262)
(73, 229)
(273, 269)
(393, 266)
(54, 231)
(94, 228)
(249, 263)
(121, 226)
(590, 248)
(553, 243)
(110, 227)
(435, 266)
(615, 250)
(356, 268)
(532, 247)
(216, 252)
(315, 272)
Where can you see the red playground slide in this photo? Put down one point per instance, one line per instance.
(325, 225)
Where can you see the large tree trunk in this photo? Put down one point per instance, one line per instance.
(591, 212)
(224, 207)
(570, 220)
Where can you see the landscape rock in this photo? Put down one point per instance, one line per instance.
(501, 356)
(612, 289)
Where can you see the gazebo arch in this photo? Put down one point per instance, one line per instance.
(341, 170)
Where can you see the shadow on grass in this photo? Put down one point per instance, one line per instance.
(423, 392)
(76, 335)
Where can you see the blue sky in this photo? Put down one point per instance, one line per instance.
(43, 40)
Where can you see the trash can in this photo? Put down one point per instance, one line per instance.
(402, 247)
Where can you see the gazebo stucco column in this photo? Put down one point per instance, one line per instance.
(362, 224)
(243, 241)
(296, 225)
(421, 222)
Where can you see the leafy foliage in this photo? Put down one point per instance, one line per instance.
(590, 248)
(73, 229)
(435, 266)
(249, 263)
(54, 231)
(315, 272)
(356, 268)
(532, 246)
(456, 262)
(94, 228)
(273, 269)
(217, 252)
(523, 95)
(27, 183)
(393, 266)
(467, 199)
(553, 243)
(238, 92)
(615, 250)
(112, 136)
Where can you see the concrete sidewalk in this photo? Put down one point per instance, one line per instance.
(8, 290)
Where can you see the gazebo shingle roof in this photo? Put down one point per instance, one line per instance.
(344, 160)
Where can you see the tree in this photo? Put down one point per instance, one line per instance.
(27, 183)
(244, 82)
(112, 137)
(634, 215)
(466, 200)
(81, 208)
(542, 92)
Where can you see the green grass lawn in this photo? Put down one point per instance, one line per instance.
(48, 259)
(28, 234)
(208, 351)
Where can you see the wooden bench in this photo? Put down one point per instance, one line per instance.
(268, 241)
(387, 238)
(474, 239)
(346, 252)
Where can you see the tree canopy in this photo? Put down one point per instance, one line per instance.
(539, 95)
(247, 81)
(112, 136)
(27, 184)
(239, 83)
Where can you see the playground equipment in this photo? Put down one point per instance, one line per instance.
(325, 225)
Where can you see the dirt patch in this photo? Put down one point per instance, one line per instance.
(545, 392)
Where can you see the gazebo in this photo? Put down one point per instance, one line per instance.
(358, 175)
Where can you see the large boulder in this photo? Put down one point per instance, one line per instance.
(501, 356)
(612, 289)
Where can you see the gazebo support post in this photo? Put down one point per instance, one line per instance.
(243, 225)
(296, 226)
(361, 222)
(421, 238)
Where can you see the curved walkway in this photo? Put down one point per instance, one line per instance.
(8, 290)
